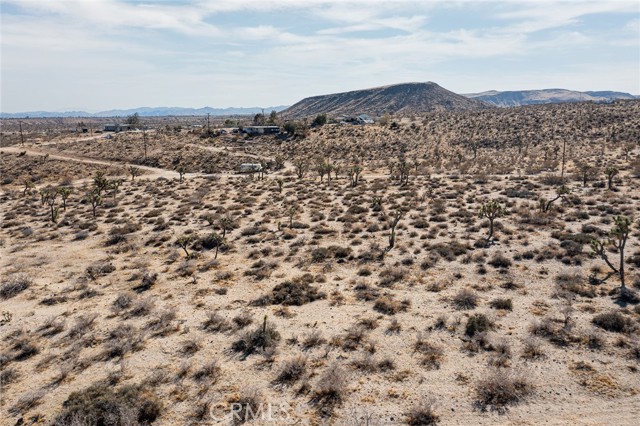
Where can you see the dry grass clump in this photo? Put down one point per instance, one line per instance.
(292, 370)
(101, 404)
(502, 304)
(14, 285)
(422, 414)
(263, 338)
(389, 306)
(215, 323)
(613, 321)
(465, 299)
(330, 389)
(209, 372)
(431, 354)
(478, 323)
(292, 293)
(501, 388)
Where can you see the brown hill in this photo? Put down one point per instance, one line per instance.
(405, 98)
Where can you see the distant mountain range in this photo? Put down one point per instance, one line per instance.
(545, 96)
(147, 112)
(405, 98)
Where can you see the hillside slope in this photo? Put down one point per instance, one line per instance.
(406, 98)
(545, 96)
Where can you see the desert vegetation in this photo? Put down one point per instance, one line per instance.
(445, 268)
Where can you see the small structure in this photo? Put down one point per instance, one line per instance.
(364, 119)
(250, 168)
(261, 130)
(117, 127)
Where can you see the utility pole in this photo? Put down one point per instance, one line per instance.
(144, 139)
(208, 128)
(564, 149)
(21, 135)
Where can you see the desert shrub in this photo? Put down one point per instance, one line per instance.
(500, 261)
(390, 276)
(366, 292)
(99, 269)
(27, 401)
(612, 321)
(500, 388)
(331, 388)
(261, 339)
(250, 403)
(465, 299)
(421, 414)
(14, 285)
(295, 292)
(313, 339)
(431, 354)
(243, 319)
(121, 340)
(123, 301)
(576, 284)
(502, 304)
(209, 372)
(292, 370)
(532, 349)
(215, 323)
(101, 404)
(477, 323)
(389, 306)
(23, 348)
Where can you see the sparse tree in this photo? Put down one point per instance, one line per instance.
(586, 172)
(545, 204)
(184, 241)
(65, 193)
(617, 239)
(320, 120)
(100, 182)
(491, 210)
(394, 222)
(134, 172)
(291, 213)
(217, 240)
(114, 185)
(28, 187)
(227, 224)
(95, 199)
(49, 196)
(279, 162)
(610, 172)
(134, 119)
(182, 170)
(354, 173)
(280, 183)
(301, 164)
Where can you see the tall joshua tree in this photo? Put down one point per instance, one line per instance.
(618, 236)
(491, 210)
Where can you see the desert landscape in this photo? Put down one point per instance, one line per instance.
(474, 267)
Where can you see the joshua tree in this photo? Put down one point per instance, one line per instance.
(491, 210)
(291, 212)
(217, 240)
(184, 242)
(617, 239)
(49, 196)
(586, 171)
(100, 182)
(279, 162)
(280, 182)
(227, 224)
(394, 222)
(404, 168)
(376, 204)
(114, 185)
(610, 172)
(301, 166)
(95, 199)
(28, 187)
(545, 204)
(65, 193)
(354, 174)
(182, 170)
(134, 172)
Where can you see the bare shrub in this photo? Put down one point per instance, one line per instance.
(215, 323)
(292, 370)
(466, 299)
(501, 388)
(14, 285)
(422, 414)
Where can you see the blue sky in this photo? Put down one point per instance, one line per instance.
(95, 55)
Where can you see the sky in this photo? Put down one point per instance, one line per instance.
(94, 55)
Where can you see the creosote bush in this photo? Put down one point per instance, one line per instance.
(501, 388)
